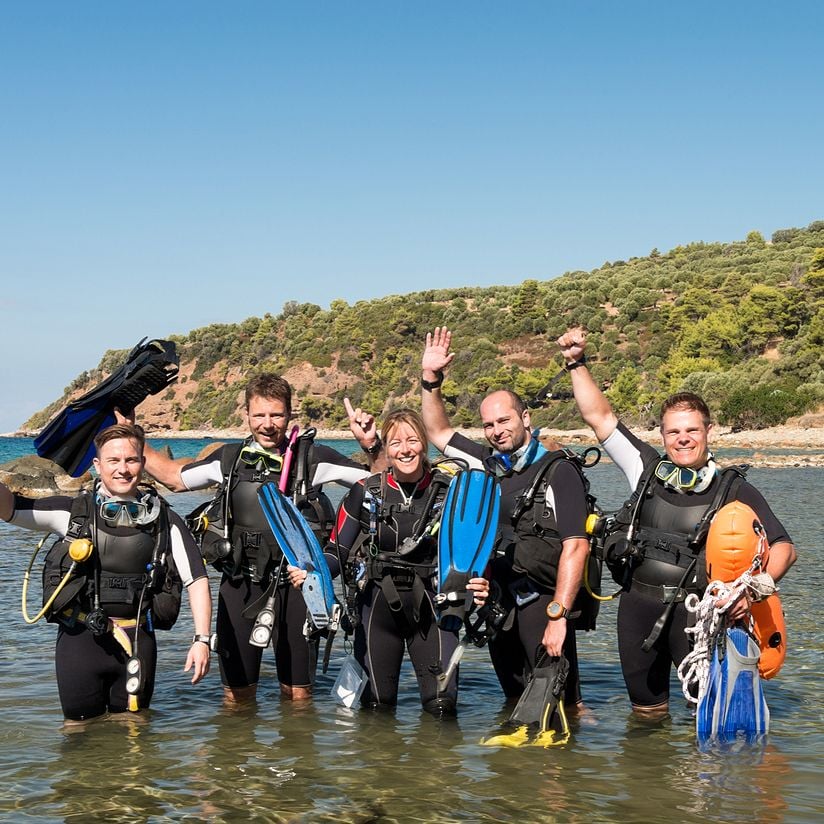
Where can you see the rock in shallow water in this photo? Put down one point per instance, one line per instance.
(37, 477)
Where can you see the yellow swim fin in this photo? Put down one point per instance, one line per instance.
(539, 719)
(516, 738)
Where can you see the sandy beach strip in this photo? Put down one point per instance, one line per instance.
(805, 442)
(802, 441)
(778, 437)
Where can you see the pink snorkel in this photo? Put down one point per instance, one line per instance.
(287, 459)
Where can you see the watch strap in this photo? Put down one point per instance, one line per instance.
(430, 385)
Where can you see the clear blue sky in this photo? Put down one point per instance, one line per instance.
(167, 165)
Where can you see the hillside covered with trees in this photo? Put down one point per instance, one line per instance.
(741, 323)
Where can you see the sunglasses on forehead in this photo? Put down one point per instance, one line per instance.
(259, 458)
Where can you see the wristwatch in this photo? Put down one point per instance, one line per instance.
(575, 364)
(375, 448)
(430, 385)
(209, 640)
(556, 610)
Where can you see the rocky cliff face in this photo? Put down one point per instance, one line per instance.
(162, 412)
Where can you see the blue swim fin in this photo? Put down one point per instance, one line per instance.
(469, 523)
(68, 439)
(734, 699)
(301, 549)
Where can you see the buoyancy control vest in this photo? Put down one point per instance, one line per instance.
(312, 503)
(531, 541)
(656, 542)
(130, 569)
(396, 550)
(231, 528)
(398, 538)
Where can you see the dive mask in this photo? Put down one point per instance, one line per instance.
(671, 474)
(130, 512)
(685, 478)
(261, 459)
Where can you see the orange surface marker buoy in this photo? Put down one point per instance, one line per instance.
(735, 539)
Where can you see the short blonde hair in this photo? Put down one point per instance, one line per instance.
(411, 418)
(119, 431)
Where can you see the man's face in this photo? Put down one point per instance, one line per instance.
(685, 437)
(505, 429)
(268, 420)
(119, 465)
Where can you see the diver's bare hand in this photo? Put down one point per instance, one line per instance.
(198, 660)
(739, 609)
(573, 343)
(296, 576)
(554, 636)
(436, 354)
(362, 424)
(122, 418)
(479, 587)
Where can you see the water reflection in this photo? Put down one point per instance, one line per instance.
(274, 761)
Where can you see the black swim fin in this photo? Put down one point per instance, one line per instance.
(68, 439)
(539, 719)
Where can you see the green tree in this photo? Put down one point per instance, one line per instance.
(814, 279)
(756, 407)
(695, 303)
(623, 394)
(675, 370)
(763, 313)
(719, 335)
(528, 301)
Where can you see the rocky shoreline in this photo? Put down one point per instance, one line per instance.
(778, 437)
(799, 443)
(804, 441)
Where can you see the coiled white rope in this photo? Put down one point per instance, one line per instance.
(710, 623)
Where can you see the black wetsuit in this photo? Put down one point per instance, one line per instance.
(525, 566)
(91, 669)
(256, 563)
(395, 606)
(647, 674)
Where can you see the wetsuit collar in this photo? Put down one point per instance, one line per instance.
(506, 463)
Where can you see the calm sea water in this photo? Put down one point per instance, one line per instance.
(189, 759)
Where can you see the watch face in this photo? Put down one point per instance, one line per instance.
(555, 610)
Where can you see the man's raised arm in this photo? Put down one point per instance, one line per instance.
(436, 357)
(595, 409)
(160, 466)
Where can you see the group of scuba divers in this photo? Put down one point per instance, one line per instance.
(124, 555)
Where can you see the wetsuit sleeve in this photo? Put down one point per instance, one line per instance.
(629, 453)
(569, 501)
(327, 465)
(460, 446)
(50, 514)
(186, 555)
(776, 533)
(348, 528)
(205, 473)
